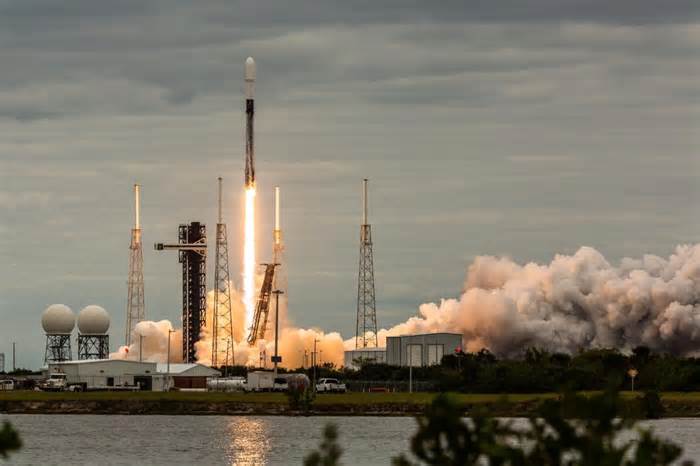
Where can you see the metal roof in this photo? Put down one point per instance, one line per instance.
(179, 368)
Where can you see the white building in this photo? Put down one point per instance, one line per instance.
(106, 373)
(355, 358)
(421, 350)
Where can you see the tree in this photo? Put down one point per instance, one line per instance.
(329, 452)
(574, 430)
(9, 440)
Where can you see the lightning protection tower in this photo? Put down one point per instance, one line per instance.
(222, 325)
(366, 304)
(192, 251)
(135, 306)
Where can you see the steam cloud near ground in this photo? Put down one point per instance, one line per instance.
(575, 302)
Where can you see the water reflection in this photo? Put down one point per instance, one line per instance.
(249, 441)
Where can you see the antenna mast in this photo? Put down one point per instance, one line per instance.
(135, 305)
(222, 326)
(366, 329)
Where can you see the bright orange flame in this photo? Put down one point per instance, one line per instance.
(249, 257)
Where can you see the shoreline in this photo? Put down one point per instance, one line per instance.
(273, 404)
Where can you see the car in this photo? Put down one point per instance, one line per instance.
(280, 385)
(7, 384)
(327, 385)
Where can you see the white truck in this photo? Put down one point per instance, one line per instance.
(6, 385)
(260, 381)
(330, 386)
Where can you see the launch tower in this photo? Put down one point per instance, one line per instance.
(222, 325)
(135, 306)
(192, 250)
(366, 304)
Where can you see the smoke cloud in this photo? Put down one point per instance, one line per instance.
(154, 336)
(574, 302)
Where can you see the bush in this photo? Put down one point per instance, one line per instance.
(9, 440)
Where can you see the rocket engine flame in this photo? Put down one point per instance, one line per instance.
(249, 256)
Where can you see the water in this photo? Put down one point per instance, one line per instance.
(235, 440)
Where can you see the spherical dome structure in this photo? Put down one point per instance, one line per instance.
(58, 319)
(93, 320)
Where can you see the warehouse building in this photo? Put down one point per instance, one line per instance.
(188, 375)
(421, 350)
(107, 373)
(355, 358)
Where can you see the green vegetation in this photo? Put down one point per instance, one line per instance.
(9, 440)
(535, 371)
(571, 430)
(329, 451)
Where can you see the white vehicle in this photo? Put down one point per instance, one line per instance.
(330, 386)
(57, 382)
(6, 385)
(280, 384)
(260, 381)
(226, 384)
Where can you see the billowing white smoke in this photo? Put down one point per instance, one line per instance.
(575, 302)
(154, 336)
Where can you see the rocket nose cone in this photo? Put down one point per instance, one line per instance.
(250, 69)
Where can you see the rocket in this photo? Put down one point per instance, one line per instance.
(250, 117)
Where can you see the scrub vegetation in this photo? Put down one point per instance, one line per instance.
(571, 430)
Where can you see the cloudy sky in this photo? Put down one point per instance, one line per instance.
(505, 127)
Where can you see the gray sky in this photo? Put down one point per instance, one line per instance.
(520, 128)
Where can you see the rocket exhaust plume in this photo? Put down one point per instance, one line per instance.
(575, 302)
(249, 261)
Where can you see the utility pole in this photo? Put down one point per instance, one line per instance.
(313, 360)
(168, 370)
(228, 346)
(410, 370)
(277, 358)
(14, 355)
(141, 348)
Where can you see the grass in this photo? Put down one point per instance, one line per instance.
(355, 398)
(358, 398)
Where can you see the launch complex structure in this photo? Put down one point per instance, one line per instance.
(192, 254)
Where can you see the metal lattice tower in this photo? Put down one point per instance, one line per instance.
(135, 305)
(93, 346)
(366, 303)
(222, 324)
(58, 348)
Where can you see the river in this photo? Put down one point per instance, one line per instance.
(105, 440)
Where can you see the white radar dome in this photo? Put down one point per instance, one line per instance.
(93, 320)
(58, 319)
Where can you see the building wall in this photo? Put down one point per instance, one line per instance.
(189, 382)
(104, 373)
(377, 355)
(421, 350)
